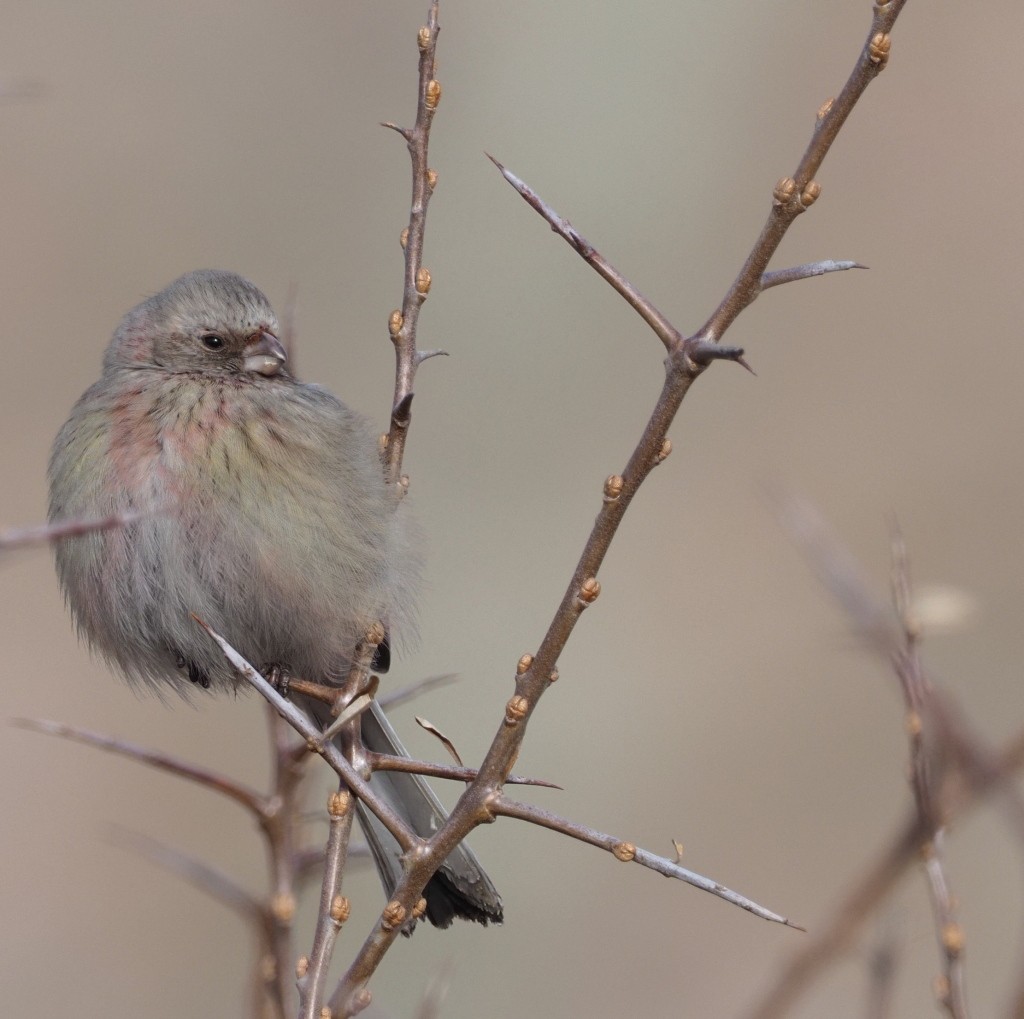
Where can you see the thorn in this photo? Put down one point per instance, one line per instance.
(403, 131)
(402, 411)
(426, 355)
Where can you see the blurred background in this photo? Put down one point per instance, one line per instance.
(714, 694)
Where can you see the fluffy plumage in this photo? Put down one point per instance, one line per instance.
(266, 514)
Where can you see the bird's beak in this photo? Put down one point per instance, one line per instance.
(264, 354)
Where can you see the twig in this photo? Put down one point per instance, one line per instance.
(626, 852)
(661, 326)
(873, 887)
(805, 271)
(208, 879)
(385, 762)
(402, 324)
(926, 767)
(248, 798)
(536, 672)
(334, 908)
(329, 751)
(417, 689)
(18, 537)
(794, 195)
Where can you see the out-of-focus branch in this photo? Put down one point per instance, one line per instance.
(17, 537)
(874, 886)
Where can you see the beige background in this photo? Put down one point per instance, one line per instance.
(713, 694)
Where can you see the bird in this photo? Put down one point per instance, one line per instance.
(257, 503)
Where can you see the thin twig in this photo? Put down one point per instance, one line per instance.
(333, 909)
(417, 689)
(250, 799)
(661, 326)
(626, 852)
(329, 751)
(402, 324)
(18, 537)
(874, 886)
(777, 277)
(208, 879)
(794, 195)
(386, 762)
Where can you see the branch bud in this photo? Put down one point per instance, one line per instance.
(403, 238)
(341, 909)
(515, 709)
(393, 915)
(338, 803)
(878, 49)
(663, 454)
(431, 179)
(810, 193)
(953, 939)
(784, 191)
(553, 677)
(624, 851)
(825, 109)
(589, 591)
(612, 487)
(302, 966)
(419, 909)
(422, 281)
(432, 96)
(523, 664)
(282, 907)
(423, 38)
(325, 1012)
(395, 323)
(357, 1003)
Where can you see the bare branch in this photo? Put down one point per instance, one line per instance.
(329, 751)
(414, 690)
(334, 909)
(626, 852)
(805, 271)
(208, 879)
(402, 324)
(386, 762)
(248, 798)
(17, 537)
(794, 195)
(663, 329)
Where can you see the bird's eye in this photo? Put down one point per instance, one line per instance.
(212, 341)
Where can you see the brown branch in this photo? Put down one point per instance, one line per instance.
(202, 876)
(794, 195)
(334, 908)
(386, 762)
(663, 329)
(402, 324)
(536, 672)
(298, 720)
(873, 887)
(251, 800)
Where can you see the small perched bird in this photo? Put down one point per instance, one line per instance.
(263, 510)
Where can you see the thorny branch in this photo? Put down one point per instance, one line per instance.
(402, 324)
(687, 359)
